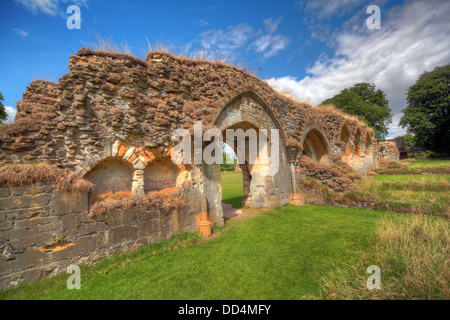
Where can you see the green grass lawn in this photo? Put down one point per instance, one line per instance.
(278, 254)
(232, 189)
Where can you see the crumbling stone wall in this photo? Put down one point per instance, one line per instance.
(43, 230)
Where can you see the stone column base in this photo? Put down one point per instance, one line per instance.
(204, 226)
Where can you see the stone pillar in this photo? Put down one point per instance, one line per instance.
(138, 183)
(204, 225)
(295, 197)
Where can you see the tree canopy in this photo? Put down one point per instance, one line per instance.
(427, 114)
(369, 104)
(3, 114)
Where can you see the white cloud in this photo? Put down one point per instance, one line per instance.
(50, 7)
(11, 114)
(412, 39)
(270, 44)
(201, 22)
(46, 6)
(394, 129)
(326, 8)
(223, 43)
(20, 32)
(228, 43)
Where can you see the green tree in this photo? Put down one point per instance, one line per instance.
(427, 114)
(3, 114)
(369, 104)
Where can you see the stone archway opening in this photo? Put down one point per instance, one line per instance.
(245, 165)
(315, 147)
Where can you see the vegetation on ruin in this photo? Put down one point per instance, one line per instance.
(25, 174)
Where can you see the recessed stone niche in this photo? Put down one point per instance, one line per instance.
(315, 148)
(110, 175)
(160, 174)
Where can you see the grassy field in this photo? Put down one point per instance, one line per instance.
(232, 189)
(307, 252)
(413, 166)
(427, 194)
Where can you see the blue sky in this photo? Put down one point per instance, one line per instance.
(312, 49)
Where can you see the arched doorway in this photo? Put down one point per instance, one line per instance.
(247, 112)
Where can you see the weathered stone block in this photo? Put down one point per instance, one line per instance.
(64, 202)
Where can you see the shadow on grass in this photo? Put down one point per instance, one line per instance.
(236, 202)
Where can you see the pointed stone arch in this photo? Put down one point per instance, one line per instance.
(346, 141)
(247, 110)
(315, 145)
(359, 143)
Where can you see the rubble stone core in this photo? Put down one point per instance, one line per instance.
(110, 121)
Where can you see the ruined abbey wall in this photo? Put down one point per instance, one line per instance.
(110, 121)
(43, 229)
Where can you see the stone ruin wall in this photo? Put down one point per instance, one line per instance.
(43, 230)
(110, 119)
(389, 151)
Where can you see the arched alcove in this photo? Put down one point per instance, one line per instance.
(368, 144)
(160, 174)
(345, 140)
(110, 175)
(315, 146)
(358, 143)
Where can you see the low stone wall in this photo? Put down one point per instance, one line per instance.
(44, 230)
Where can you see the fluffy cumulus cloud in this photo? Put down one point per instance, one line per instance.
(269, 43)
(229, 42)
(11, 114)
(223, 43)
(412, 39)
